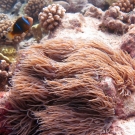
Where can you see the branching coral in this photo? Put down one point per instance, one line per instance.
(33, 7)
(59, 84)
(125, 5)
(51, 16)
(7, 4)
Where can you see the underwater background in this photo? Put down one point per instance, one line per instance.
(67, 67)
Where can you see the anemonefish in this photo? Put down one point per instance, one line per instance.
(22, 25)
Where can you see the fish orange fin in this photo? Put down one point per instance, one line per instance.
(9, 36)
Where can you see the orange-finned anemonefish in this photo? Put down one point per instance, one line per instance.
(21, 25)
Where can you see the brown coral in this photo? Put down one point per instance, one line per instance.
(4, 68)
(116, 21)
(125, 5)
(7, 4)
(51, 16)
(59, 84)
(5, 25)
(33, 7)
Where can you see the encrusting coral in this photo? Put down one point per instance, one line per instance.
(7, 4)
(125, 5)
(33, 7)
(51, 16)
(70, 87)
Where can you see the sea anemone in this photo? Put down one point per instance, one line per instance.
(67, 86)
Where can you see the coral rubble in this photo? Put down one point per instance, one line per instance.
(51, 16)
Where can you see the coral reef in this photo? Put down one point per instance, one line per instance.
(125, 5)
(51, 16)
(76, 86)
(7, 4)
(33, 7)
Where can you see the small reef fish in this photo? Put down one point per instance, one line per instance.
(22, 25)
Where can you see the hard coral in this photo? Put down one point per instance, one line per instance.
(116, 21)
(5, 25)
(76, 86)
(33, 7)
(7, 4)
(125, 5)
(51, 16)
(4, 67)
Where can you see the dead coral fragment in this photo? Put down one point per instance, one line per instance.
(51, 16)
(7, 4)
(125, 5)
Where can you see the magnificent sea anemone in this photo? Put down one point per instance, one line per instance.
(70, 87)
